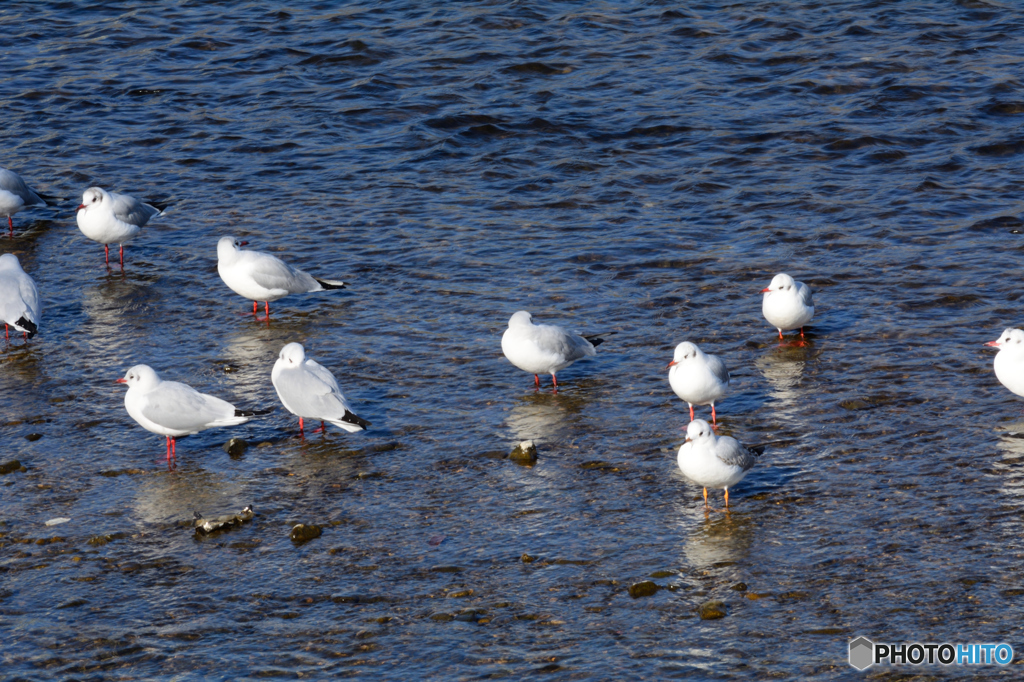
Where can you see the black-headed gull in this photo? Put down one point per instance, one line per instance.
(110, 218)
(19, 298)
(172, 409)
(1009, 362)
(309, 390)
(544, 348)
(697, 378)
(713, 461)
(260, 276)
(15, 195)
(787, 304)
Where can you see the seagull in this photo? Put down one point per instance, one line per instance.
(19, 298)
(15, 195)
(259, 276)
(697, 378)
(173, 409)
(308, 389)
(787, 304)
(713, 461)
(110, 218)
(544, 348)
(1009, 362)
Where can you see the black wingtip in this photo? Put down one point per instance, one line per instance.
(50, 201)
(352, 418)
(757, 450)
(28, 325)
(159, 205)
(597, 339)
(253, 413)
(328, 284)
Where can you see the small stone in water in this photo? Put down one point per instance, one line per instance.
(57, 521)
(32, 437)
(524, 452)
(205, 526)
(304, 532)
(236, 447)
(644, 588)
(739, 587)
(712, 610)
(435, 540)
(12, 466)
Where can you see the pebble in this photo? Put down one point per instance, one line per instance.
(57, 521)
(711, 610)
(524, 453)
(644, 588)
(304, 532)
(12, 466)
(236, 447)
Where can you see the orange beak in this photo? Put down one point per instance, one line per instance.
(992, 343)
(765, 290)
(672, 363)
(122, 380)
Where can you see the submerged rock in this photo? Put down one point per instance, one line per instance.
(525, 452)
(644, 588)
(304, 532)
(206, 526)
(711, 610)
(236, 447)
(12, 466)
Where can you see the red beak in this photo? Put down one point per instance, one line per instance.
(80, 207)
(765, 290)
(687, 440)
(992, 343)
(122, 380)
(672, 363)
(242, 243)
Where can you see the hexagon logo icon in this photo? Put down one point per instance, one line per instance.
(862, 653)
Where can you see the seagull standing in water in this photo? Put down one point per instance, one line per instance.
(1009, 362)
(544, 348)
(260, 276)
(308, 389)
(787, 304)
(713, 461)
(110, 218)
(19, 298)
(15, 195)
(697, 378)
(173, 409)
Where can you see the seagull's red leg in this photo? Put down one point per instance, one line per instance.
(554, 380)
(174, 454)
(322, 429)
(168, 450)
(801, 332)
(106, 254)
(780, 335)
(254, 307)
(11, 223)
(301, 432)
(7, 333)
(714, 419)
(691, 412)
(536, 380)
(726, 498)
(122, 255)
(705, 498)
(266, 308)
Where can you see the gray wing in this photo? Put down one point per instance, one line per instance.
(270, 272)
(552, 339)
(30, 294)
(717, 368)
(312, 392)
(131, 210)
(12, 182)
(805, 293)
(729, 450)
(177, 406)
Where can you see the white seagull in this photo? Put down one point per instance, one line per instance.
(308, 389)
(173, 409)
(19, 298)
(544, 348)
(1009, 362)
(15, 195)
(787, 304)
(260, 276)
(713, 461)
(110, 218)
(697, 378)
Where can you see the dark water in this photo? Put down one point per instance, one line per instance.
(639, 167)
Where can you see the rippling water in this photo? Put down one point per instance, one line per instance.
(637, 167)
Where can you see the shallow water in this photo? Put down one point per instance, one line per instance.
(632, 167)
